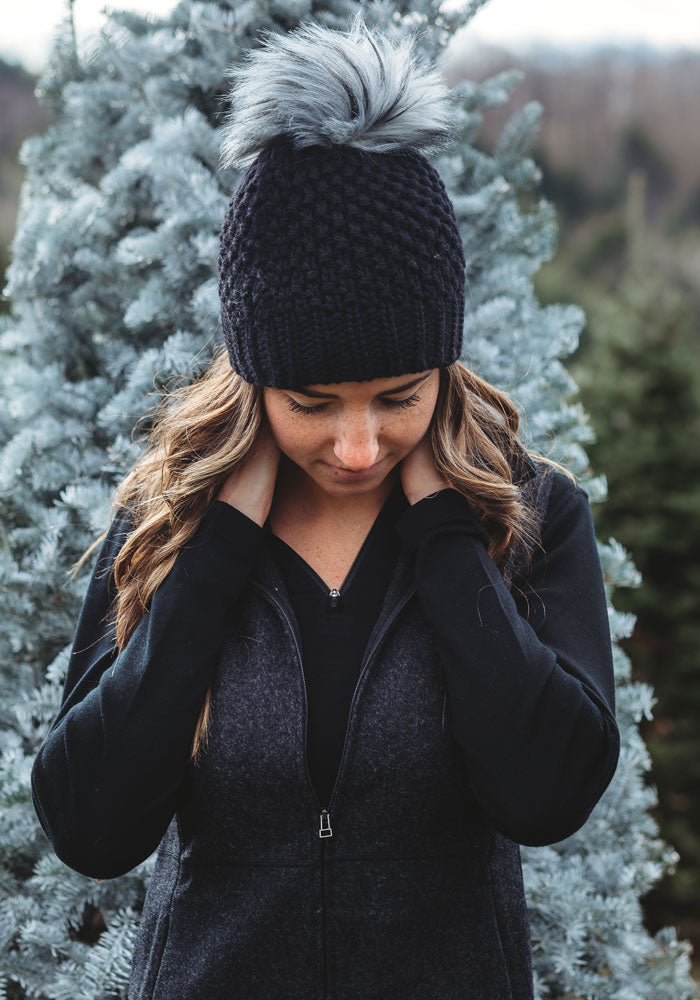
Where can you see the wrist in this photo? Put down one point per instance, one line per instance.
(450, 510)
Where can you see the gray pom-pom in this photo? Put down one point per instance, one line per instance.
(320, 86)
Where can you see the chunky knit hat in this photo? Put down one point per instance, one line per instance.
(340, 257)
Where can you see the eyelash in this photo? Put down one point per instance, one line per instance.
(393, 404)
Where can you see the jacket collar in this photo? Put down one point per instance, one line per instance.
(266, 576)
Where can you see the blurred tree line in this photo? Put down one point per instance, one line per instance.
(618, 148)
(638, 370)
(20, 115)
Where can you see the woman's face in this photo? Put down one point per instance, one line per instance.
(352, 426)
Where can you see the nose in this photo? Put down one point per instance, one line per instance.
(356, 447)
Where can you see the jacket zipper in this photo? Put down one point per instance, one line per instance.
(363, 667)
(325, 830)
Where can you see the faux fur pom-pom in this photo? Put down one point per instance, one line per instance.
(321, 86)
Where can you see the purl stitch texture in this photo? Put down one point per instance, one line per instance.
(338, 262)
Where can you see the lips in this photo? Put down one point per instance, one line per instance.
(350, 474)
(357, 472)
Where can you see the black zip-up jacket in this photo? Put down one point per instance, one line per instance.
(482, 717)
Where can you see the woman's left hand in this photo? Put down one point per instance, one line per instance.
(419, 475)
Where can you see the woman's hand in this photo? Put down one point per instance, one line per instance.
(250, 487)
(419, 475)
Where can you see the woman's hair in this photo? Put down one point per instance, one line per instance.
(202, 430)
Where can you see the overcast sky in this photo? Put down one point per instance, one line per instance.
(27, 30)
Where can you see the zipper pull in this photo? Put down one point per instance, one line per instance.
(334, 598)
(325, 831)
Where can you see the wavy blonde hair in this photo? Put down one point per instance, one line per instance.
(202, 430)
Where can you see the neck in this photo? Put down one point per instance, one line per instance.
(300, 493)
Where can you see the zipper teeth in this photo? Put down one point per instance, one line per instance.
(353, 569)
(323, 908)
(363, 668)
(322, 583)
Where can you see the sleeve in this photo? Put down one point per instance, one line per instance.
(532, 704)
(105, 779)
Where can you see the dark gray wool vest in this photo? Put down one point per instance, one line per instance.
(403, 890)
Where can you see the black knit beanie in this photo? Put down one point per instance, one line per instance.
(340, 256)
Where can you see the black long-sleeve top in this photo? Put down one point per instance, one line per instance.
(532, 702)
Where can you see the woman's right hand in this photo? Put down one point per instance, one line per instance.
(250, 487)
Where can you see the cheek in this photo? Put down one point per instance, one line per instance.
(418, 426)
(294, 434)
(419, 417)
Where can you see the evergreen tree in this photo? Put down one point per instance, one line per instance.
(638, 370)
(113, 292)
(641, 385)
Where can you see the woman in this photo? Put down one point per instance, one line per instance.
(345, 645)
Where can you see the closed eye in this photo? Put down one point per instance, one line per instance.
(391, 403)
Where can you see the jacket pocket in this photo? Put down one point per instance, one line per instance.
(152, 935)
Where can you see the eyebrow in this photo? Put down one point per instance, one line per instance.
(305, 391)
